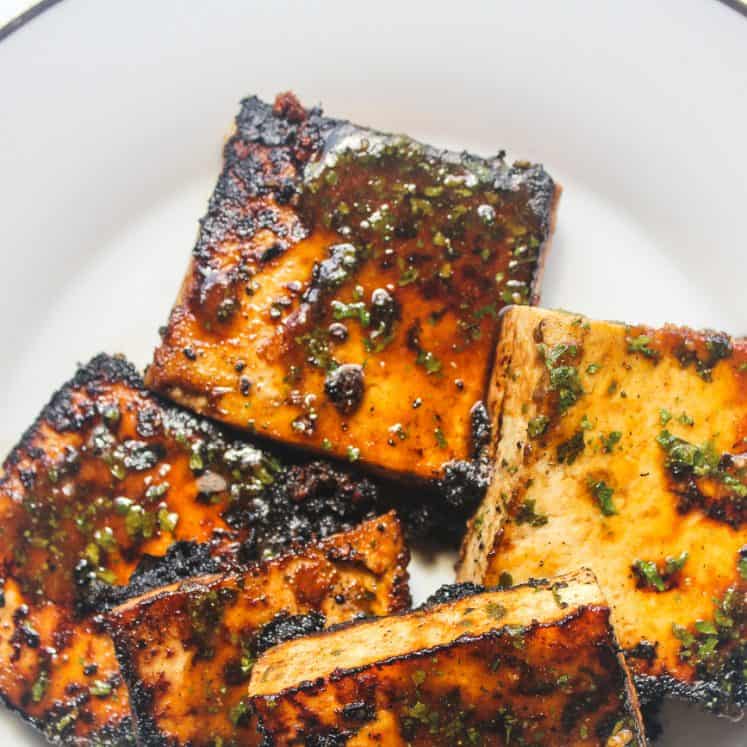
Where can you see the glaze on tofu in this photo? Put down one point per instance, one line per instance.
(344, 290)
(187, 651)
(113, 491)
(624, 448)
(537, 664)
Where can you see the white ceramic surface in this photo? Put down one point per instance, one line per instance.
(112, 117)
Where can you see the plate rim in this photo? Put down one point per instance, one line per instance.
(37, 9)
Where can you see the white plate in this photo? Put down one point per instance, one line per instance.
(112, 116)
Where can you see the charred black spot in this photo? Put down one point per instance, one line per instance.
(463, 485)
(480, 428)
(449, 593)
(330, 274)
(345, 387)
(338, 332)
(359, 711)
(275, 250)
(718, 347)
(331, 738)
(182, 560)
(644, 650)
(284, 627)
(384, 311)
(148, 422)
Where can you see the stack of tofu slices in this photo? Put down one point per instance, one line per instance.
(209, 555)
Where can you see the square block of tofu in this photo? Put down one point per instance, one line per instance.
(112, 491)
(344, 290)
(623, 448)
(537, 664)
(187, 651)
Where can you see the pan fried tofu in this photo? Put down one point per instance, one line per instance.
(112, 491)
(623, 447)
(344, 290)
(187, 651)
(537, 664)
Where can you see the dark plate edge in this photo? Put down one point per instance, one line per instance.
(740, 6)
(19, 21)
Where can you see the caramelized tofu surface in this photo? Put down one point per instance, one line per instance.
(537, 664)
(344, 289)
(111, 491)
(623, 447)
(187, 651)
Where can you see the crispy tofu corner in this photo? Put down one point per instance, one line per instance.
(187, 651)
(623, 448)
(345, 286)
(538, 664)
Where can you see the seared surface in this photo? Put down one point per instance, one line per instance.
(108, 480)
(344, 289)
(532, 665)
(623, 448)
(187, 651)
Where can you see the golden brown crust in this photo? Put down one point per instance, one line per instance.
(368, 336)
(532, 665)
(187, 651)
(621, 447)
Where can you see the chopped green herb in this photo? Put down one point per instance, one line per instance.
(664, 416)
(440, 438)
(356, 310)
(641, 344)
(570, 450)
(428, 361)
(707, 627)
(564, 379)
(704, 461)
(610, 441)
(196, 462)
(167, 520)
(495, 610)
(240, 712)
(537, 426)
(527, 514)
(39, 688)
(603, 494)
(650, 575)
(354, 453)
(100, 688)
(408, 275)
(592, 368)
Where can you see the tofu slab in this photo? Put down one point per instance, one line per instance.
(113, 491)
(187, 651)
(536, 664)
(345, 285)
(623, 447)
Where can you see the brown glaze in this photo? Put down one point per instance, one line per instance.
(533, 665)
(187, 651)
(113, 491)
(326, 245)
